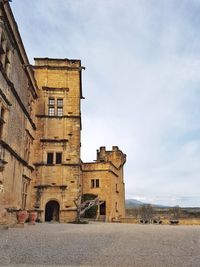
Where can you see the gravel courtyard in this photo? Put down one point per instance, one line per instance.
(100, 244)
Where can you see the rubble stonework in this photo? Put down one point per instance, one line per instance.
(40, 137)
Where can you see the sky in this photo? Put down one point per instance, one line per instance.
(141, 84)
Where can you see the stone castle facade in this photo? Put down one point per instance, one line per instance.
(40, 137)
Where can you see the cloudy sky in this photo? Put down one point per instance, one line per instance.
(141, 84)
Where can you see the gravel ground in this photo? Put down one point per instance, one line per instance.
(100, 244)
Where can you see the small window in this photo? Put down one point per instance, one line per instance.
(59, 102)
(94, 183)
(58, 158)
(51, 111)
(25, 185)
(97, 182)
(51, 101)
(117, 191)
(49, 158)
(116, 207)
(59, 111)
(2, 111)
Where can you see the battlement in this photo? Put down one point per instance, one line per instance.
(116, 156)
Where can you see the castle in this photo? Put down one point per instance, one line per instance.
(40, 134)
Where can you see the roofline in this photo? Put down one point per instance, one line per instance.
(62, 67)
(57, 59)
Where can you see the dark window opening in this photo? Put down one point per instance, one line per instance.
(117, 191)
(94, 183)
(103, 208)
(116, 207)
(2, 111)
(49, 158)
(58, 158)
(97, 182)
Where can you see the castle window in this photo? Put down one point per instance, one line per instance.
(2, 112)
(117, 191)
(95, 183)
(51, 101)
(59, 111)
(59, 102)
(49, 158)
(116, 207)
(25, 184)
(55, 107)
(51, 111)
(58, 158)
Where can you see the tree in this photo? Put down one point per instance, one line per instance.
(82, 207)
(146, 212)
(92, 212)
(175, 213)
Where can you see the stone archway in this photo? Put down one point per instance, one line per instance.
(52, 211)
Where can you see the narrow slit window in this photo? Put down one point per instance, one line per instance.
(2, 111)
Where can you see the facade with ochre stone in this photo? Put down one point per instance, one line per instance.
(40, 137)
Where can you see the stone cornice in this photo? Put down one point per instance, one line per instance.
(54, 140)
(41, 164)
(96, 170)
(55, 88)
(57, 117)
(16, 155)
(57, 67)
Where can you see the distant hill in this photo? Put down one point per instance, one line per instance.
(133, 203)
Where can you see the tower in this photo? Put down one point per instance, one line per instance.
(105, 178)
(57, 179)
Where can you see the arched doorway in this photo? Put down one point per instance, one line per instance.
(52, 211)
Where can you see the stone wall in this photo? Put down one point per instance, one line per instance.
(108, 169)
(59, 87)
(40, 134)
(17, 98)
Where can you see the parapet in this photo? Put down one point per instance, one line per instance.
(57, 62)
(116, 156)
